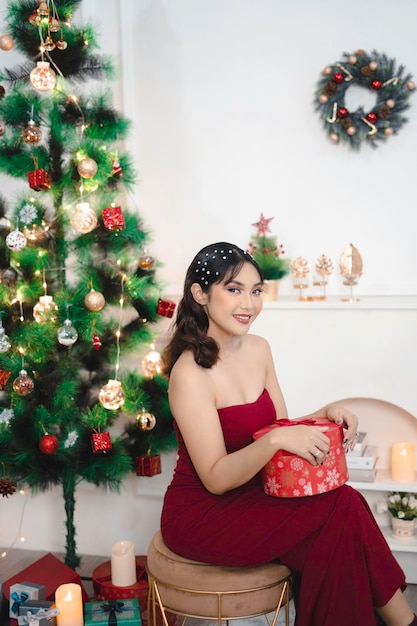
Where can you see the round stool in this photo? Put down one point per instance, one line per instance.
(193, 589)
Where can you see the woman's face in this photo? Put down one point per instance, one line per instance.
(232, 306)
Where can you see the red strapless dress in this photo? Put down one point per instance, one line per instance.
(342, 564)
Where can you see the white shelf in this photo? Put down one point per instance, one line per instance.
(335, 302)
(384, 482)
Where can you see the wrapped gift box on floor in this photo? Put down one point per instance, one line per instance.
(105, 590)
(124, 612)
(21, 592)
(37, 607)
(290, 476)
(48, 571)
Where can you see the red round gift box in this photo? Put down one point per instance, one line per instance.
(105, 590)
(287, 475)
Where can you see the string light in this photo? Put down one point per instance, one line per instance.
(19, 536)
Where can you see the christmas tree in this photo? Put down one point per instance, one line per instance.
(267, 252)
(78, 286)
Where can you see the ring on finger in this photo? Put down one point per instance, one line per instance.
(317, 452)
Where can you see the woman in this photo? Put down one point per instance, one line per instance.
(223, 388)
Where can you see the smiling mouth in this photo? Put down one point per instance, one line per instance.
(243, 318)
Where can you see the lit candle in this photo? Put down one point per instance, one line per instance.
(403, 465)
(69, 602)
(123, 564)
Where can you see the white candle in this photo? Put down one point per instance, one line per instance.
(123, 564)
(403, 464)
(69, 602)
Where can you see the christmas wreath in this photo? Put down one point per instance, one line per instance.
(373, 71)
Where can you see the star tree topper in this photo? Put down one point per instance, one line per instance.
(263, 225)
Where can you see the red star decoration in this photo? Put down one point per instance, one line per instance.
(263, 225)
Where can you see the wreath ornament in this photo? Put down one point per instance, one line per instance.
(373, 71)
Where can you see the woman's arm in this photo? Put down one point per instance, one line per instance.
(192, 402)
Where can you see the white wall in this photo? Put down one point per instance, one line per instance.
(221, 96)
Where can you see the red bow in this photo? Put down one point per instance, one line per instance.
(308, 421)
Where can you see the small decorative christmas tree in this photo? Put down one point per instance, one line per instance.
(267, 252)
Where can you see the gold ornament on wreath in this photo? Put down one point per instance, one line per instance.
(376, 72)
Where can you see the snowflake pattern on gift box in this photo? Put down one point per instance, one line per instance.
(333, 477)
(271, 486)
(297, 464)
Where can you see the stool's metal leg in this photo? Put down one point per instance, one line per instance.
(161, 606)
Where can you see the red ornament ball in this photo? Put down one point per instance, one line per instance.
(338, 77)
(48, 444)
(376, 85)
(342, 112)
(372, 117)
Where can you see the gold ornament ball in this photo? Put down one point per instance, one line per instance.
(410, 85)
(23, 385)
(146, 421)
(327, 70)
(31, 134)
(388, 131)
(111, 396)
(151, 364)
(352, 59)
(83, 219)
(87, 168)
(351, 130)
(61, 44)
(390, 103)
(6, 42)
(373, 65)
(146, 262)
(323, 98)
(334, 137)
(43, 77)
(94, 301)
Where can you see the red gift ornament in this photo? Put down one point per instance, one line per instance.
(148, 465)
(101, 442)
(342, 112)
(290, 476)
(165, 308)
(372, 117)
(39, 180)
(113, 218)
(4, 377)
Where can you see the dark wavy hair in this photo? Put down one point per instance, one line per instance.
(215, 263)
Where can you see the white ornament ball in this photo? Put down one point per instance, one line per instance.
(410, 85)
(327, 70)
(16, 240)
(352, 59)
(323, 98)
(373, 65)
(334, 137)
(67, 334)
(6, 42)
(351, 131)
(388, 131)
(390, 103)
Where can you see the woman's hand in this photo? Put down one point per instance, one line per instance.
(340, 415)
(309, 442)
